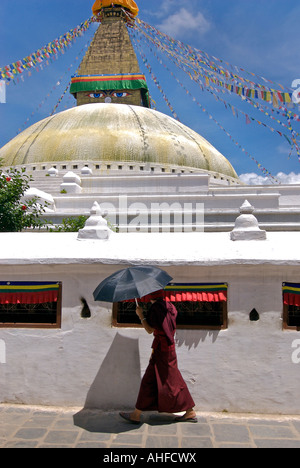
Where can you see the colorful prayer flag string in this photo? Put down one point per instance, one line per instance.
(203, 60)
(202, 68)
(236, 143)
(236, 111)
(157, 84)
(15, 69)
(56, 86)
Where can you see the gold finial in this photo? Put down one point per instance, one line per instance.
(129, 5)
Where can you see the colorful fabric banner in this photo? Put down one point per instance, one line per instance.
(292, 288)
(191, 292)
(291, 294)
(106, 82)
(196, 292)
(28, 292)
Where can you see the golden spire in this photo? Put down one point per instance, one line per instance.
(129, 5)
(110, 70)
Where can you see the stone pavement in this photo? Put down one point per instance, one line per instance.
(47, 427)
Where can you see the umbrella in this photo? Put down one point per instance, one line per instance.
(131, 283)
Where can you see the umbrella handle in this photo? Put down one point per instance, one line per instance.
(137, 304)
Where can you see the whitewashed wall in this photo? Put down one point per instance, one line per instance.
(247, 368)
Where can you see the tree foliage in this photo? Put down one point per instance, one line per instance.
(72, 224)
(15, 213)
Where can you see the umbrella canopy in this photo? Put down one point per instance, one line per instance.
(131, 283)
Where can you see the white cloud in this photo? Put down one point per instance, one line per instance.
(184, 22)
(255, 179)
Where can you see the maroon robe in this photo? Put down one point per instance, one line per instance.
(163, 388)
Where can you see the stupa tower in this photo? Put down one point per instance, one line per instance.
(110, 71)
(112, 129)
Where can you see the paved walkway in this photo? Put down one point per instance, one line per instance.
(43, 427)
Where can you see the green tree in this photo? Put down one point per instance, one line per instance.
(15, 214)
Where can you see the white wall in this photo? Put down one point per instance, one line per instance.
(247, 368)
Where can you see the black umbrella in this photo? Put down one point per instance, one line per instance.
(131, 283)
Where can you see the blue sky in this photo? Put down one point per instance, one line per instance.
(261, 36)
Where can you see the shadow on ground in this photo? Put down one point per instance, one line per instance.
(94, 420)
(116, 385)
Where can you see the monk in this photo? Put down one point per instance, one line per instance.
(162, 388)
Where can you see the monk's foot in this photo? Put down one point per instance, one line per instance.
(131, 417)
(189, 416)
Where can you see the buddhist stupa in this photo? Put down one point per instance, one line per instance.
(112, 121)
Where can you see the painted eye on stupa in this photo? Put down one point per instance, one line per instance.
(120, 94)
(96, 95)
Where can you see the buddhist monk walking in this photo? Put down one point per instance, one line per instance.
(162, 388)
